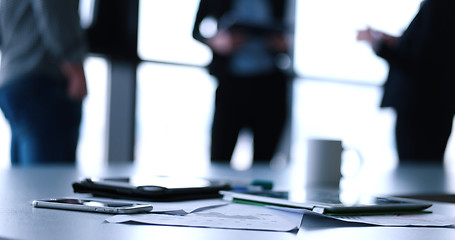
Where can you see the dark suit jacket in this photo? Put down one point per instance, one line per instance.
(216, 9)
(422, 63)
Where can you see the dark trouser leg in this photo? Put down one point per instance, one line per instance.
(226, 123)
(422, 136)
(270, 105)
(44, 121)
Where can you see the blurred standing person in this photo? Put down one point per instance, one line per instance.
(42, 79)
(421, 81)
(252, 88)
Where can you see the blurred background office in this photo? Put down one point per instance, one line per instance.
(336, 92)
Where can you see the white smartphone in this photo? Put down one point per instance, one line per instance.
(100, 206)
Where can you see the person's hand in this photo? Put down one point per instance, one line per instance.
(389, 40)
(77, 85)
(372, 37)
(225, 42)
(369, 35)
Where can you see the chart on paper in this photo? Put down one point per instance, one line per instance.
(232, 216)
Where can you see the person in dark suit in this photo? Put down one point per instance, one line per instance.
(421, 81)
(252, 85)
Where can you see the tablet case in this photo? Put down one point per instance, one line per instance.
(148, 193)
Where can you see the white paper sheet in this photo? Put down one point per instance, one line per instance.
(395, 220)
(414, 220)
(229, 216)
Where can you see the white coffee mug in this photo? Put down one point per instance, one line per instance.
(323, 163)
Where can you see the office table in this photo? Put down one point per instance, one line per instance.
(19, 186)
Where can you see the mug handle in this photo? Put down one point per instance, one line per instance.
(359, 158)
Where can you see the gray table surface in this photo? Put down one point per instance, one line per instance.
(19, 186)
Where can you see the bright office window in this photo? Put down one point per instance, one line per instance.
(92, 141)
(165, 32)
(173, 115)
(325, 40)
